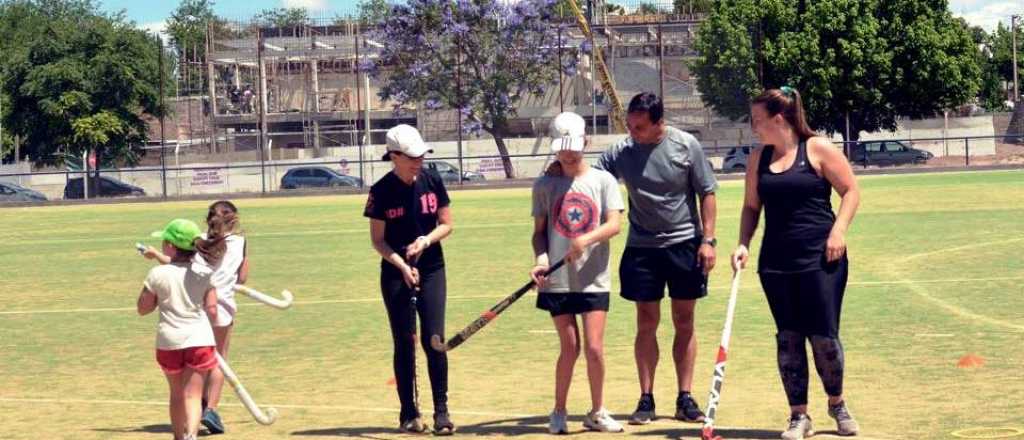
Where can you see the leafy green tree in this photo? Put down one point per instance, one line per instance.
(77, 80)
(284, 17)
(871, 60)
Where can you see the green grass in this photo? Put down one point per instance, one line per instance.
(936, 274)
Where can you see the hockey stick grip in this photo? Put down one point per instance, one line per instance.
(438, 344)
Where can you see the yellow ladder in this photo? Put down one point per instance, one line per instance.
(616, 112)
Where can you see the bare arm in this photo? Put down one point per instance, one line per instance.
(377, 237)
(539, 240)
(146, 302)
(210, 304)
(381, 245)
(152, 254)
(708, 214)
(836, 169)
(440, 232)
(750, 213)
(243, 271)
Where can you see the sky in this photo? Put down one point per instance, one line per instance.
(152, 14)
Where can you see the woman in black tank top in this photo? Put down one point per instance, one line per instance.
(802, 262)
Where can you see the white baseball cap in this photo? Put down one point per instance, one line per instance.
(568, 131)
(406, 139)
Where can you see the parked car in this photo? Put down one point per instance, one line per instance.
(887, 153)
(450, 174)
(736, 159)
(108, 187)
(12, 192)
(317, 177)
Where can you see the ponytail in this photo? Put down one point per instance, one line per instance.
(221, 221)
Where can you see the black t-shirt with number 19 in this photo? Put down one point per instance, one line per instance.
(409, 211)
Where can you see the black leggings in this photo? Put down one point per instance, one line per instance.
(806, 306)
(431, 305)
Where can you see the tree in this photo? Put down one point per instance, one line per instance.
(871, 60)
(187, 26)
(284, 17)
(83, 87)
(501, 53)
(692, 6)
(648, 9)
(372, 12)
(1002, 52)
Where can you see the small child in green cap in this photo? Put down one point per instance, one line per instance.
(187, 302)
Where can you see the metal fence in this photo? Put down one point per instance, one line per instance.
(191, 176)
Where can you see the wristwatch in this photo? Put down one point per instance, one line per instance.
(710, 241)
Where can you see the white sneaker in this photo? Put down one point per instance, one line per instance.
(558, 423)
(601, 420)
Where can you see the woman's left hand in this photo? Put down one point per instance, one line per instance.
(835, 247)
(416, 248)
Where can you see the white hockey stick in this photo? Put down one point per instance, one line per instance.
(707, 433)
(263, 418)
(282, 304)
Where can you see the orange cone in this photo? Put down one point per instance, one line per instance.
(971, 361)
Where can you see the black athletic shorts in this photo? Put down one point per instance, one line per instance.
(807, 302)
(572, 303)
(645, 272)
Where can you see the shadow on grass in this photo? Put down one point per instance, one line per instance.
(151, 429)
(512, 427)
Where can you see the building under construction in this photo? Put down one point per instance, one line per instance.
(300, 87)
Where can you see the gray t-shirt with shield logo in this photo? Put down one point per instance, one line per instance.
(664, 182)
(573, 207)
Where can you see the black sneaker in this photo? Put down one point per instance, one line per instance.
(211, 420)
(443, 424)
(644, 413)
(687, 409)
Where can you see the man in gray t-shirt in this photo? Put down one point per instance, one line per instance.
(670, 242)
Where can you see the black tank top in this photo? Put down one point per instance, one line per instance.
(798, 214)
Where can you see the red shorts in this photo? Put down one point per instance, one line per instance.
(196, 358)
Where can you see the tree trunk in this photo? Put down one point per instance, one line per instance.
(498, 133)
(505, 160)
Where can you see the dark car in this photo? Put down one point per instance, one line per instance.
(736, 159)
(108, 187)
(887, 153)
(12, 192)
(450, 174)
(317, 177)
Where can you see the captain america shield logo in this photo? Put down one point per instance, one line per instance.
(576, 215)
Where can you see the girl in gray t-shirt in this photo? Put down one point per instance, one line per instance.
(574, 217)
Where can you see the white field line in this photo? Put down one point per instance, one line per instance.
(922, 292)
(497, 297)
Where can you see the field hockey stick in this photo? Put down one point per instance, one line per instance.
(263, 418)
(281, 304)
(707, 432)
(488, 316)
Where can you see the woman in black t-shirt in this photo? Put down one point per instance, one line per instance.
(802, 265)
(409, 216)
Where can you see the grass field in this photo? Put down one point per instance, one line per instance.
(936, 274)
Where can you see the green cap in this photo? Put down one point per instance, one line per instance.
(181, 233)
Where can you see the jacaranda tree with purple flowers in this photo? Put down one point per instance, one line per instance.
(480, 57)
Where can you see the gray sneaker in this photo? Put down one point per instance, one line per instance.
(644, 413)
(413, 426)
(799, 427)
(845, 424)
(558, 423)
